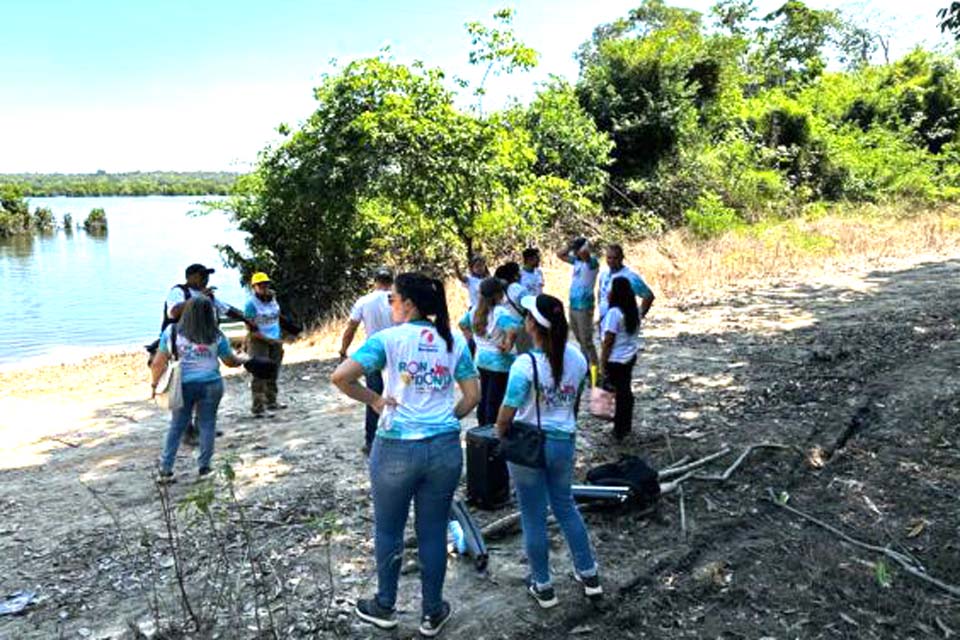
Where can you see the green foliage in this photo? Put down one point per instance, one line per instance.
(42, 219)
(96, 222)
(711, 217)
(565, 138)
(950, 19)
(498, 50)
(14, 212)
(167, 183)
(792, 41)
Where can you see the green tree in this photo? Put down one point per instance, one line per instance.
(497, 50)
(792, 41)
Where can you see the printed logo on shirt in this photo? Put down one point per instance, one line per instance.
(563, 395)
(425, 376)
(427, 340)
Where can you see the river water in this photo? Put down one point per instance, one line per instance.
(65, 296)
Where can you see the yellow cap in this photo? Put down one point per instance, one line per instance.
(259, 277)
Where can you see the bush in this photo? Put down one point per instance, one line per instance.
(96, 222)
(711, 217)
(43, 219)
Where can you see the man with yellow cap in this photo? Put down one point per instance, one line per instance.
(264, 311)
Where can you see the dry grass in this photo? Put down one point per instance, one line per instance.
(678, 267)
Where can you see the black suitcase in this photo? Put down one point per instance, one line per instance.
(488, 483)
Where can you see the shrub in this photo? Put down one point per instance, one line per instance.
(711, 217)
(96, 222)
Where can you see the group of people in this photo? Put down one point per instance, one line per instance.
(190, 334)
(412, 363)
(412, 366)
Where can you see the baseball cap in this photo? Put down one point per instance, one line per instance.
(198, 268)
(259, 277)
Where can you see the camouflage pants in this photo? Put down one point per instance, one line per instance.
(264, 390)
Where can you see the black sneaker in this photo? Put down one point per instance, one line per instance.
(369, 610)
(591, 586)
(276, 406)
(165, 477)
(432, 625)
(204, 472)
(545, 597)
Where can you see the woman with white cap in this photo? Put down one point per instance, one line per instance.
(264, 340)
(561, 371)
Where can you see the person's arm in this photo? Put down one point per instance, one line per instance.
(566, 254)
(469, 398)
(505, 419)
(348, 335)
(606, 347)
(646, 304)
(519, 386)
(227, 355)
(459, 274)
(509, 338)
(346, 378)
(175, 301)
(159, 365)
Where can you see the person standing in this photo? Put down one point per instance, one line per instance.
(494, 330)
(586, 267)
(531, 276)
(620, 342)
(199, 346)
(416, 455)
(373, 311)
(263, 312)
(561, 370)
(509, 273)
(616, 269)
(471, 281)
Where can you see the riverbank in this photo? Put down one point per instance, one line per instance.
(791, 358)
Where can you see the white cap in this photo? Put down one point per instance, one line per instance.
(530, 304)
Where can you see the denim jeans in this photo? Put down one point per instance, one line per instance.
(427, 472)
(493, 386)
(206, 396)
(375, 384)
(536, 488)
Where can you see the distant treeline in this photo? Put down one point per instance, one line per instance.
(166, 183)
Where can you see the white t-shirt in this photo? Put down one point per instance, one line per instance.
(556, 401)
(499, 322)
(373, 310)
(472, 283)
(419, 373)
(625, 345)
(532, 281)
(515, 292)
(639, 287)
(176, 296)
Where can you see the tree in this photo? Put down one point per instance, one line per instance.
(950, 19)
(497, 50)
(792, 43)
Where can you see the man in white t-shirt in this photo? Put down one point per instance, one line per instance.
(616, 269)
(531, 276)
(373, 311)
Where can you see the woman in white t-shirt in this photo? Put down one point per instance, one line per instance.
(416, 453)
(620, 342)
(494, 330)
(561, 371)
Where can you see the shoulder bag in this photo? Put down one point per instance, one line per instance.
(171, 396)
(523, 443)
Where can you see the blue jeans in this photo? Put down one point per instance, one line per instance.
(427, 472)
(206, 396)
(374, 383)
(536, 488)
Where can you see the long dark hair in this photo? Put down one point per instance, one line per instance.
(621, 296)
(554, 339)
(509, 272)
(428, 296)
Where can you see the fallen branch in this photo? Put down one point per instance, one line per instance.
(674, 465)
(908, 565)
(696, 464)
(723, 477)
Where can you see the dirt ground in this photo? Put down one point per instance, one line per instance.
(856, 371)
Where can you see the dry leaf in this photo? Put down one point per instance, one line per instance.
(815, 458)
(917, 528)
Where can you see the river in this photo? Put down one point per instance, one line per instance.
(66, 296)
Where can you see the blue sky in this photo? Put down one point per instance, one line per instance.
(202, 84)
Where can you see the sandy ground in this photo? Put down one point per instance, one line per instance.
(855, 369)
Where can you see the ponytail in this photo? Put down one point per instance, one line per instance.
(430, 299)
(481, 313)
(554, 343)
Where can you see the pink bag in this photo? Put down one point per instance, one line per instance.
(603, 403)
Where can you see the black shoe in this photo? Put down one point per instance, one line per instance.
(276, 406)
(546, 598)
(259, 414)
(591, 586)
(204, 472)
(432, 625)
(365, 450)
(165, 477)
(369, 610)
(218, 433)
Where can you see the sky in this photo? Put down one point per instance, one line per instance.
(188, 85)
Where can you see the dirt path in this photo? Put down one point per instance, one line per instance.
(861, 365)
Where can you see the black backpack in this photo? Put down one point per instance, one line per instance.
(632, 472)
